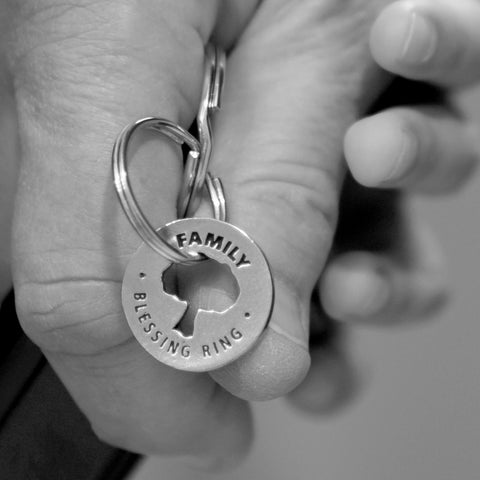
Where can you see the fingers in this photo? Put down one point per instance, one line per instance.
(82, 73)
(427, 149)
(401, 284)
(434, 40)
(383, 271)
(281, 174)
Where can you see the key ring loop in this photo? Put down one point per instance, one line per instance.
(196, 164)
(217, 197)
(128, 201)
(195, 171)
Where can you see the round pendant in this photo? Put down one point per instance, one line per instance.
(218, 337)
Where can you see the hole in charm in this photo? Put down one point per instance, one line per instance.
(208, 286)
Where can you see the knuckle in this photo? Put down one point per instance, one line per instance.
(298, 204)
(293, 187)
(88, 51)
(72, 315)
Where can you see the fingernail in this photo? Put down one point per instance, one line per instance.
(420, 41)
(405, 158)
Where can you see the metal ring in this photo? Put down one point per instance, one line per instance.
(195, 171)
(124, 190)
(128, 201)
(217, 197)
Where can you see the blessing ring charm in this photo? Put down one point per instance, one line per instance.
(219, 337)
(160, 320)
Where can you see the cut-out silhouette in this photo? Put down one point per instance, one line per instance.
(207, 285)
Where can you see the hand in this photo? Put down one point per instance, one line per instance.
(81, 72)
(425, 147)
(387, 266)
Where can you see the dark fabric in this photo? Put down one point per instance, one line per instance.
(43, 435)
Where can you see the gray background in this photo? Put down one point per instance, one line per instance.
(418, 415)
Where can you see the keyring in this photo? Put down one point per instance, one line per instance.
(128, 201)
(195, 171)
(154, 308)
(196, 163)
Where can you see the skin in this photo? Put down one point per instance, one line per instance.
(418, 144)
(427, 148)
(299, 73)
(72, 68)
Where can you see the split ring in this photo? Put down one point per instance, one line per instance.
(128, 201)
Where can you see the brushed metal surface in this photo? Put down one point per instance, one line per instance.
(219, 337)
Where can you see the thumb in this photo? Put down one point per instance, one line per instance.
(292, 89)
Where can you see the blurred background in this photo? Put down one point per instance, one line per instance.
(417, 414)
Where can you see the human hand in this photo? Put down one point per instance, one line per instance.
(72, 68)
(425, 147)
(81, 72)
(387, 267)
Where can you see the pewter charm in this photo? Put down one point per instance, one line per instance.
(219, 337)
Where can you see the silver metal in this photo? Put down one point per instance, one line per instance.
(150, 236)
(219, 337)
(195, 171)
(217, 197)
(196, 163)
(155, 314)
